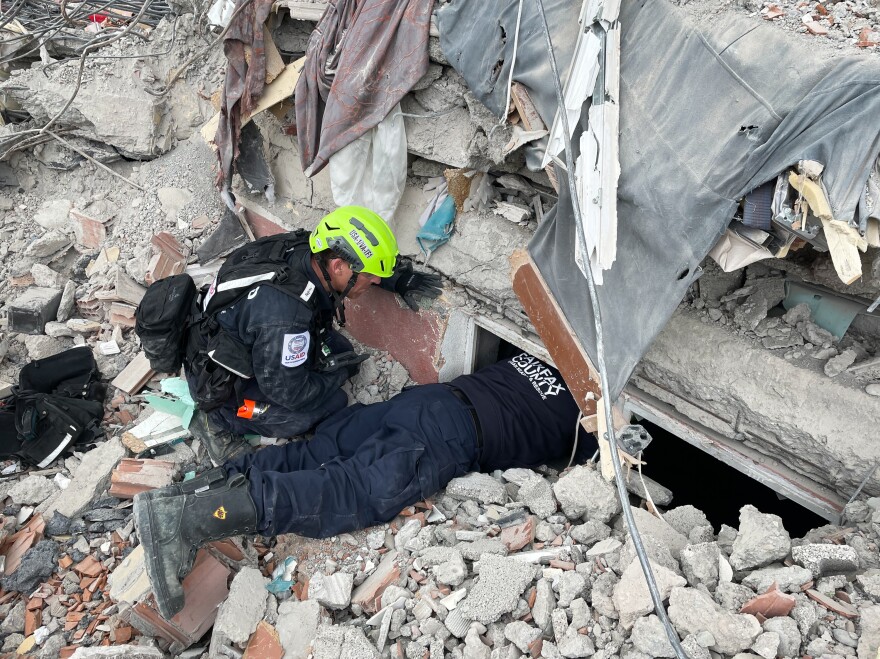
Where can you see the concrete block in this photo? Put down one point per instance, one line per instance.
(30, 311)
(119, 652)
(89, 480)
(129, 582)
(824, 560)
(502, 581)
(334, 642)
(631, 597)
(761, 540)
(479, 487)
(583, 492)
(243, 609)
(297, 626)
(332, 591)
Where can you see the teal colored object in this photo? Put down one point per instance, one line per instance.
(831, 312)
(282, 577)
(438, 228)
(176, 400)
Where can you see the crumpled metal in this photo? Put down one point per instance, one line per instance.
(362, 58)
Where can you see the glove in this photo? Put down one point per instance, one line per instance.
(408, 283)
(351, 361)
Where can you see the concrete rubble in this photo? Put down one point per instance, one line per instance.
(518, 563)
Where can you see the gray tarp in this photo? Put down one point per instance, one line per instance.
(706, 116)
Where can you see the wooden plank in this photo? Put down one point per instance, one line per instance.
(527, 110)
(280, 89)
(134, 376)
(554, 329)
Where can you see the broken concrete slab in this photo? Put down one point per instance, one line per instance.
(477, 486)
(89, 480)
(789, 579)
(692, 612)
(242, 610)
(762, 539)
(119, 652)
(583, 492)
(30, 311)
(48, 245)
(631, 596)
(700, 564)
(32, 491)
(297, 627)
(502, 581)
(335, 642)
(333, 591)
(824, 560)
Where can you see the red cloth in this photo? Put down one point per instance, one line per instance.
(362, 57)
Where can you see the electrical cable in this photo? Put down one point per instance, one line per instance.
(512, 63)
(600, 356)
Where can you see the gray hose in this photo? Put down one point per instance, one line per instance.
(600, 356)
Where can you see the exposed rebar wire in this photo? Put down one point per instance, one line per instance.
(201, 53)
(622, 493)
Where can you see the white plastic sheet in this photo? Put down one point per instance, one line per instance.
(371, 171)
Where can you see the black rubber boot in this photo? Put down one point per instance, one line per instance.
(221, 445)
(203, 481)
(172, 528)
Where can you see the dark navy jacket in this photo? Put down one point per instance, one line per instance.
(285, 341)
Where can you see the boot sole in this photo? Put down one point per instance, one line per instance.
(143, 520)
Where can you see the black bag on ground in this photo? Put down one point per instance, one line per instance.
(161, 321)
(59, 403)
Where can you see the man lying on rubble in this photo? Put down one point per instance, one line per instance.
(268, 361)
(363, 466)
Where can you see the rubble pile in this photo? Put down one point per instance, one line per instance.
(750, 303)
(842, 22)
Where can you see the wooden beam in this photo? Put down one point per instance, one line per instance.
(554, 329)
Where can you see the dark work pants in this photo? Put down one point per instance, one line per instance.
(363, 466)
(279, 421)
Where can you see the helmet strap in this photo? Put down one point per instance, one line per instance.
(338, 298)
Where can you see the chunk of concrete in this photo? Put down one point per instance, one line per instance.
(119, 652)
(40, 347)
(297, 627)
(571, 587)
(502, 581)
(788, 579)
(545, 603)
(649, 636)
(692, 611)
(30, 311)
(632, 598)
(333, 591)
(90, 479)
(766, 645)
(583, 492)
(685, 518)
(522, 635)
(479, 487)
(49, 244)
(242, 610)
(129, 582)
(789, 635)
(32, 490)
(68, 300)
(869, 642)
(335, 642)
(590, 532)
(537, 494)
(657, 528)
(700, 564)
(762, 539)
(54, 214)
(824, 560)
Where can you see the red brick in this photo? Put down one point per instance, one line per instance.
(134, 476)
(264, 643)
(89, 231)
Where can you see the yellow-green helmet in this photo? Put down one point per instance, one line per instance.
(360, 237)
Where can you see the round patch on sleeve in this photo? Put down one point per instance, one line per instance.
(295, 350)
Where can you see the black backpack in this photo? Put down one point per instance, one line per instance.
(161, 321)
(217, 361)
(58, 404)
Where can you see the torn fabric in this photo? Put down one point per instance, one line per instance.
(362, 58)
(706, 117)
(245, 80)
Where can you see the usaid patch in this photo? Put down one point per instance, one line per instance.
(295, 350)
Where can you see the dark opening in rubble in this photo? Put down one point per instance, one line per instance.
(698, 479)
